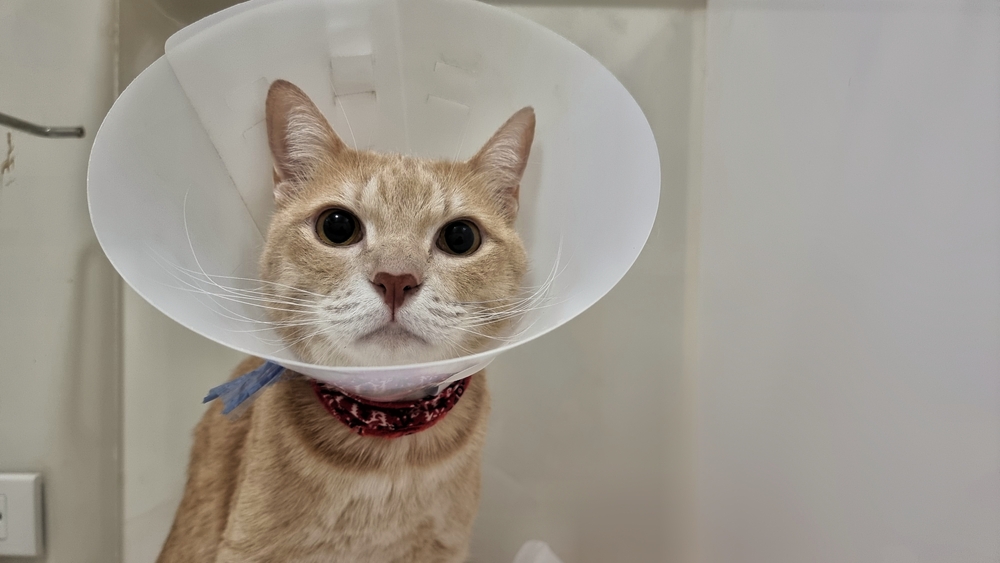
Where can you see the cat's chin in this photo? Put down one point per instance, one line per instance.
(373, 356)
(387, 346)
(392, 336)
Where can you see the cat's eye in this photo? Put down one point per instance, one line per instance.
(459, 237)
(338, 227)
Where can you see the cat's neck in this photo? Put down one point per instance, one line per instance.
(293, 413)
(389, 419)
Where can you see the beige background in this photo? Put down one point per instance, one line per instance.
(60, 391)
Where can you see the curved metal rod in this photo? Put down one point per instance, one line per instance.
(40, 130)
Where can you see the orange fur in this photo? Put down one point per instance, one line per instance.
(286, 481)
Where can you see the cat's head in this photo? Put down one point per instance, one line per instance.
(378, 259)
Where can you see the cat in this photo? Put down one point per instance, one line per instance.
(370, 259)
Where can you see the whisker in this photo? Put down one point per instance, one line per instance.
(327, 330)
(253, 302)
(263, 302)
(354, 142)
(242, 299)
(211, 279)
(287, 325)
(232, 315)
(236, 316)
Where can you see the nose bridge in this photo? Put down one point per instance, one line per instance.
(398, 255)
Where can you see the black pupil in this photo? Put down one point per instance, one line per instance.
(339, 226)
(459, 237)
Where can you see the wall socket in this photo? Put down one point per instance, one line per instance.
(21, 514)
(3, 517)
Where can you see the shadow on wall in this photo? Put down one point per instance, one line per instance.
(151, 22)
(186, 11)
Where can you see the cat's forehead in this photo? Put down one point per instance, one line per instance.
(400, 185)
(393, 189)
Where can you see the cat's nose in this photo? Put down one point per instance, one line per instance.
(395, 289)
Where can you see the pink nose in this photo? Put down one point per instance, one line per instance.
(395, 289)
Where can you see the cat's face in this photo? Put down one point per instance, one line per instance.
(384, 259)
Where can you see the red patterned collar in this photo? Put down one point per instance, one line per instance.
(389, 420)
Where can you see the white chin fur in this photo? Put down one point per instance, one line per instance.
(371, 352)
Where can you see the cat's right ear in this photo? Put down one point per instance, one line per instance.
(299, 136)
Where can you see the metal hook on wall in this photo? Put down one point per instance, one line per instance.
(40, 130)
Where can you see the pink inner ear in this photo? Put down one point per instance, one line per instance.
(298, 134)
(505, 156)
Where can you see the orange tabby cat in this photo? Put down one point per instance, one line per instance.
(371, 259)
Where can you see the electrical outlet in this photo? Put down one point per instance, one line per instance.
(21, 514)
(3, 517)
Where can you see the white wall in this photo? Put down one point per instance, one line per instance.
(850, 283)
(597, 458)
(59, 297)
(166, 367)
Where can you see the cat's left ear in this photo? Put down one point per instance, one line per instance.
(503, 158)
(299, 136)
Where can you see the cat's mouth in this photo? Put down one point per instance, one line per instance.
(391, 333)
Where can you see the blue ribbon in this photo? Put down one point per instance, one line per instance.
(234, 393)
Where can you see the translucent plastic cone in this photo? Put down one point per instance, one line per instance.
(180, 183)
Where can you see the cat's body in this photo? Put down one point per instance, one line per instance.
(286, 482)
(370, 259)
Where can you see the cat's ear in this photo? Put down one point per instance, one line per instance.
(298, 134)
(503, 158)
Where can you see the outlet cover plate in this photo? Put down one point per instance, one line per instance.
(3, 517)
(21, 514)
